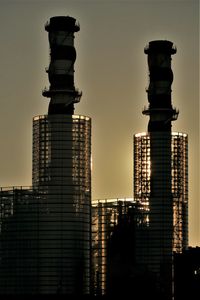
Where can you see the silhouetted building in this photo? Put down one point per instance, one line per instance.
(134, 241)
(138, 248)
(19, 240)
(187, 274)
(115, 223)
(161, 175)
(46, 230)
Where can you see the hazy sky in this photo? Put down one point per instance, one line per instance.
(111, 70)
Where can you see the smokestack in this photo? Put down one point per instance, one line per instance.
(62, 170)
(159, 249)
(161, 178)
(62, 92)
(160, 107)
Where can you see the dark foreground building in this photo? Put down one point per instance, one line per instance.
(115, 224)
(45, 233)
(187, 274)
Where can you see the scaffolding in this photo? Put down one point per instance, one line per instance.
(179, 181)
(62, 151)
(114, 223)
(62, 167)
(180, 191)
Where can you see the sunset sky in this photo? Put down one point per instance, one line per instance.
(111, 69)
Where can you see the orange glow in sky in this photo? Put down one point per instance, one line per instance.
(111, 69)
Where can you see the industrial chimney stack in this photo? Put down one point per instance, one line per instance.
(160, 107)
(160, 174)
(62, 91)
(62, 169)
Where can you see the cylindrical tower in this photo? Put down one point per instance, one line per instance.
(161, 114)
(62, 91)
(142, 183)
(160, 108)
(155, 173)
(62, 172)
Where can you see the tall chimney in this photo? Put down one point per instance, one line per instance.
(62, 92)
